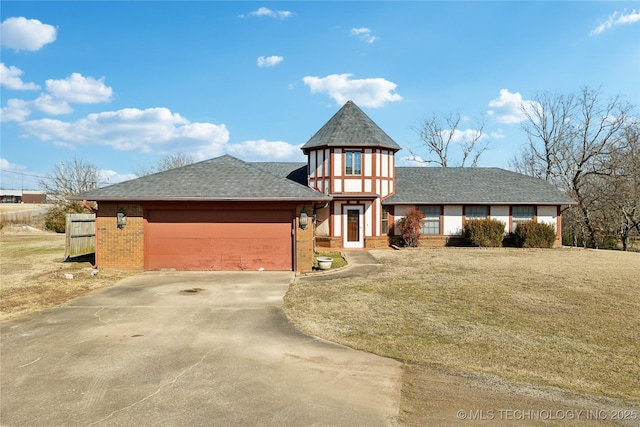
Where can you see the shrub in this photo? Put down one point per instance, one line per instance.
(487, 233)
(409, 227)
(56, 218)
(533, 234)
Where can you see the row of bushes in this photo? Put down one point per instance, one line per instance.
(489, 233)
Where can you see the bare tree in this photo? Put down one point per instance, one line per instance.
(572, 139)
(70, 178)
(620, 190)
(445, 142)
(548, 126)
(170, 161)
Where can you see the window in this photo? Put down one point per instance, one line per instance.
(353, 163)
(384, 223)
(521, 214)
(431, 221)
(476, 212)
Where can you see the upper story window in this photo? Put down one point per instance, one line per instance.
(353, 163)
(476, 212)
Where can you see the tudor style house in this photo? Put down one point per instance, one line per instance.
(227, 214)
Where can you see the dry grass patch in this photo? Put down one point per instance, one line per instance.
(33, 268)
(562, 317)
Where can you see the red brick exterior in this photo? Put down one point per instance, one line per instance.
(123, 248)
(120, 248)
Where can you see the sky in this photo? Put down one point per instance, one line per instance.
(121, 85)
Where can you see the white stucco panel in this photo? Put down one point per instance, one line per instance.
(367, 186)
(337, 162)
(452, 220)
(548, 215)
(368, 220)
(367, 160)
(501, 213)
(385, 165)
(337, 219)
(337, 186)
(352, 185)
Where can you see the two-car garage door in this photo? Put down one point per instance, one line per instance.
(219, 240)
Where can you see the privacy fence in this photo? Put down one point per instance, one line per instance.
(81, 235)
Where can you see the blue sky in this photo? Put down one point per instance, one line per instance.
(123, 84)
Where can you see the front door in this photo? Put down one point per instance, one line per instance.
(353, 236)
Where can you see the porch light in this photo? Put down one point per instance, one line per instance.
(121, 218)
(304, 219)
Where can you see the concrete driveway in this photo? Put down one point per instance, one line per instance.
(178, 349)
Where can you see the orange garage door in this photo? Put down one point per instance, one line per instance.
(218, 240)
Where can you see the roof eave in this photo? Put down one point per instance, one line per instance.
(202, 199)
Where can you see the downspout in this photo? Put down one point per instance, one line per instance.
(86, 205)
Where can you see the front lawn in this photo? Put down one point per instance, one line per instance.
(563, 317)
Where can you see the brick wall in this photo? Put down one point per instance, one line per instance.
(376, 242)
(119, 248)
(304, 241)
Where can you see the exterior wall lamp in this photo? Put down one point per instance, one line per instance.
(121, 218)
(304, 219)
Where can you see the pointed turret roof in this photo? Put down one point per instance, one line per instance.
(350, 127)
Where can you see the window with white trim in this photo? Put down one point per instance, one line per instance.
(353, 163)
(431, 220)
(476, 212)
(384, 220)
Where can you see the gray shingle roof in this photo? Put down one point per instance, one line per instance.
(431, 185)
(222, 178)
(296, 172)
(350, 127)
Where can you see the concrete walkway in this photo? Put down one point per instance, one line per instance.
(187, 349)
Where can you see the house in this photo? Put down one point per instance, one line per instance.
(227, 214)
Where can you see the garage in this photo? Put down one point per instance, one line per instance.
(221, 214)
(219, 239)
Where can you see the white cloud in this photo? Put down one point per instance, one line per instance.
(364, 34)
(28, 34)
(269, 61)
(266, 150)
(8, 166)
(75, 89)
(265, 11)
(132, 129)
(10, 78)
(617, 18)
(364, 92)
(508, 107)
(108, 177)
(16, 110)
(50, 105)
(79, 89)
(460, 136)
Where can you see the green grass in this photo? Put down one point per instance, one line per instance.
(567, 318)
(338, 259)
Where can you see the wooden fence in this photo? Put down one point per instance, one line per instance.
(81, 235)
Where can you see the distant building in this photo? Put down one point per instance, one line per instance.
(22, 196)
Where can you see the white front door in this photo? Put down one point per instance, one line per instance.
(353, 226)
